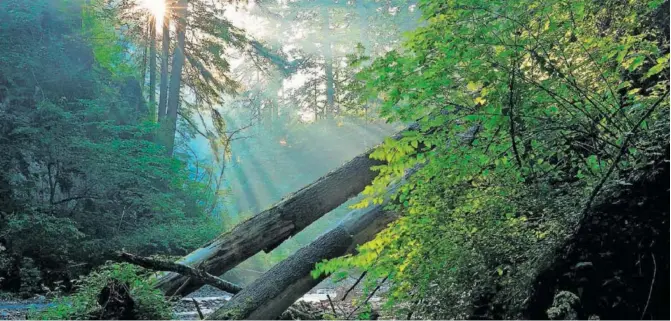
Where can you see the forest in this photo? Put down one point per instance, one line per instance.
(334, 159)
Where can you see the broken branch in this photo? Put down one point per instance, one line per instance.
(181, 269)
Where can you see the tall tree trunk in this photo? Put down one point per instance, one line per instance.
(176, 76)
(328, 64)
(165, 57)
(152, 61)
(271, 294)
(362, 19)
(315, 94)
(144, 59)
(152, 65)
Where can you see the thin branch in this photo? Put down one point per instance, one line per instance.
(186, 282)
(623, 149)
(594, 61)
(181, 269)
(652, 284)
(200, 313)
(368, 298)
(194, 126)
(239, 129)
(353, 286)
(332, 306)
(74, 198)
(559, 100)
(123, 213)
(511, 106)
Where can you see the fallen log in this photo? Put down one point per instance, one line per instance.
(270, 228)
(275, 291)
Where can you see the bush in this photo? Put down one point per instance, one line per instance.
(150, 303)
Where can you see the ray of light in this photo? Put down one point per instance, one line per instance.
(156, 8)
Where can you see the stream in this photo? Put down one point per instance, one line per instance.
(17, 309)
(184, 309)
(208, 298)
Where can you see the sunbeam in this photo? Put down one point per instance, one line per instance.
(156, 8)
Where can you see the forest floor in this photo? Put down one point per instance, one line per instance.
(209, 299)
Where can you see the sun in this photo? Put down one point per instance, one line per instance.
(156, 8)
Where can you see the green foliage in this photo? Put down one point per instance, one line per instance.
(80, 174)
(150, 303)
(112, 186)
(526, 109)
(98, 26)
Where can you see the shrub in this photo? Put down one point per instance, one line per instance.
(150, 303)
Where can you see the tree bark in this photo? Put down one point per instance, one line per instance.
(165, 57)
(176, 76)
(275, 291)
